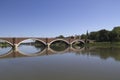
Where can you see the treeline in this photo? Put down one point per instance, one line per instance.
(104, 35)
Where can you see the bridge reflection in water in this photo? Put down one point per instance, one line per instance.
(47, 51)
(103, 53)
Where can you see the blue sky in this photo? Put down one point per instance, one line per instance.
(50, 18)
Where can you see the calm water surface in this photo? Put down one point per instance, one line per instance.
(88, 64)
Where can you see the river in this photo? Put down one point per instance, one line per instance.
(31, 63)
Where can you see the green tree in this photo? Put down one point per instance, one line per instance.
(115, 34)
(60, 36)
(83, 36)
(112, 36)
(93, 35)
(103, 35)
(117, 29)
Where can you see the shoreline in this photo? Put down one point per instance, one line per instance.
(103, 44)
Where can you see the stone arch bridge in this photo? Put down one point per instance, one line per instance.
(15, 41)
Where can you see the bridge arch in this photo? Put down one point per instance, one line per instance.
(77, 41)
(58, 45)
(32, 39)
(3, 40)
(33, 54)
(77, 44)
(59, 40)
(63, 51)
(5, 54)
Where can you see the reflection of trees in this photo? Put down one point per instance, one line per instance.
(59, 45)
(39, 45)
(104, 53)
(78, 45)
(4, 44)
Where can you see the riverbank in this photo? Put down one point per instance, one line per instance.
(104, 44)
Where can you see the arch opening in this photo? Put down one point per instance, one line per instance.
(5, 47)
(77, 44)
(59, 45)
(31, 46)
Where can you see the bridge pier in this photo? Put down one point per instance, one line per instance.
(15, 47)
(48, 46)
(70, 45)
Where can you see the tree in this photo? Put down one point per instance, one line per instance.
(93, 35)
(115, 34)
(117, 29)
(83, 36)
(60, 36)
(103, 35)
